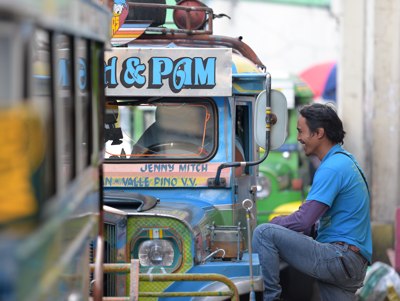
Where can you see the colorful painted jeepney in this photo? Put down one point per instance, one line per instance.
(186, 113)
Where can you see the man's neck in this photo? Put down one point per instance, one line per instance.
(324, 148)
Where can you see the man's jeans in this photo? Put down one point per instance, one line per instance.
(338, 270)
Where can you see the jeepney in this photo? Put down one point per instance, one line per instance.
(186, 113)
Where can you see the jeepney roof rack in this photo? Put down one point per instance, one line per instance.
(188, 16)
(187, 24)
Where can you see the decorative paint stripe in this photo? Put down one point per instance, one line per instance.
(238, 88)
(140, 25)
(128, 32)
(125, 35)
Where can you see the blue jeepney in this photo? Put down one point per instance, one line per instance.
(186, 113)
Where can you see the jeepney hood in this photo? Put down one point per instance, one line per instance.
(191, 213)
(276, 168)
(180, 188)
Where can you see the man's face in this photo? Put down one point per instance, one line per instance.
(309, 140)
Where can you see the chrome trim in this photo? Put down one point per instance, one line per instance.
(113, 210)
(242, 284)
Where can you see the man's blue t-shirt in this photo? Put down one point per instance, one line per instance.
(339, 184)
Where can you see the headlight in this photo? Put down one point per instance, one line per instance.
(158, 252)
(263, 187)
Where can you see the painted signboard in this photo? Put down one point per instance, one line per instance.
(161, 175)
(168, 72)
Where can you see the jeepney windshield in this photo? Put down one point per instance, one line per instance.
(173, 129)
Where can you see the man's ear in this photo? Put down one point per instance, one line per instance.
(320, 132)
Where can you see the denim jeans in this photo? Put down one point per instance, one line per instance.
(338, 270)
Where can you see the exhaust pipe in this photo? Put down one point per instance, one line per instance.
(247, 204)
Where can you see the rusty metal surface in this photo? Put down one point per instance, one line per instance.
(208, 26)
(204, 41)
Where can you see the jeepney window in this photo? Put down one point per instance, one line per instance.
(241, 136)
(162, 130)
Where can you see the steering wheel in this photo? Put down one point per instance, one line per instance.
(176, 148)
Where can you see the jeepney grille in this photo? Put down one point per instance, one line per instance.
(110, 256)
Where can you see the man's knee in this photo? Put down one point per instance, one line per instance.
(266, 228)
(265, 231)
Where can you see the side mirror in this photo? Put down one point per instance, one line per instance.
(278, 119)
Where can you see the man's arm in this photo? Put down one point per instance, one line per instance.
(304, 218)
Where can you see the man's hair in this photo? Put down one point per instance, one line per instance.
(324, 116)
